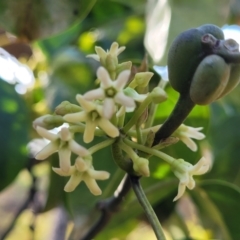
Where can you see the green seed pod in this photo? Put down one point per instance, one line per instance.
(210, 80)
(186, 53)
(233, 81)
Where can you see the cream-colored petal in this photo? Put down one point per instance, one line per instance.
(100, 52)
(120, 50)
(64, 159)
(124, 100)
(92, 185)
(195, 168)
(108, 127)
(122, 79)
(94, 94)
(181, 190)
(189, 143)
(191, 183)
(60, 172)
(48, 150)
(73, 182)
(75, 117)
(98, 175)
(86, 105)
(104, 77)
(64, 134)
(78, 149)
(81, 164)
(202, 170)
(114, 48)
(89, 131)
(108, 108)
(46, 134)
(94, 56)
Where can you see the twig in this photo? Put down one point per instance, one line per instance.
(108, 207)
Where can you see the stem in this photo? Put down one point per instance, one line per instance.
(178, 115)
(151, 151)
(139, 135)
(100, 145)
(152, 218)
(108, 207)
(137, 113)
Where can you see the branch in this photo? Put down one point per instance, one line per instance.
(108, 207)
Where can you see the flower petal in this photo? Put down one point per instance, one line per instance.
(77, 149)
(92, 185)
(89, 131)
(189, 143)
(81, 165)
(108, 127)
(75, 117)
(181, 190)
(46, 134)
(94, 56)
(122, 79)
(94, 94)
(73, 182)
(60, 172)
(108, 108)
(124, 100)
(104, 77)
(48, 150)
(64, 159)
(195, 168)
(64, 134)
(98, 175)
(86, 105)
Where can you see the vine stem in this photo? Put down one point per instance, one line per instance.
(152, 218)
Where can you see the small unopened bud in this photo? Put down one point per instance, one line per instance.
(48, 121)
(111, 63)
(140, 166)
(124, 66)
(158, 95)
(66, 107)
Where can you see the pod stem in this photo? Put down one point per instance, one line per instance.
(181, 110)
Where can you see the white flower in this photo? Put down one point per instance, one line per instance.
(61, 142)
(102, 54)
(93, 117)
(185, 133)
(185, 171)
(111, 91)
(83, 171)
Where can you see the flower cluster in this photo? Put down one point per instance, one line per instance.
(101, 112)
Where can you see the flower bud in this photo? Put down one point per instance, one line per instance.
(158, 95)
(140, 165)
(66, 107)
(48, 121)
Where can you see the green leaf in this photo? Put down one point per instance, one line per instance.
(14, 134)
(38, 19)
(219, 202)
